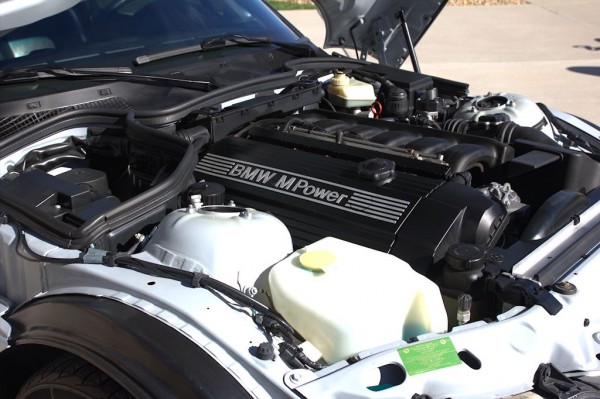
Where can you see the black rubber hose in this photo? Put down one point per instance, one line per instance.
(198, 136)
(456, 125)
(386, 84)
(292, 121)
(508, 132)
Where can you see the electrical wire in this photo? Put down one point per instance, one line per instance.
(329, 104)
(204, 281)
(576, 138)
(354, 26)
(269, 320)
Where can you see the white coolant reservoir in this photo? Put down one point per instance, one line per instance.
(348, 92)
(345, 298)
(232, 244)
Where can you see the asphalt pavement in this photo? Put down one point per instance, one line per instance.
(547, 50)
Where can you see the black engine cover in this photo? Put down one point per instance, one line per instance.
(317, 194)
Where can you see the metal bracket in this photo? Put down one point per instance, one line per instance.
(382, 32)
(553, 384)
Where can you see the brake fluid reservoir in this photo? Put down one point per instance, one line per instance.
(350, 93)
(345, 298)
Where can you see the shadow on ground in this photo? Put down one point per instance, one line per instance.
(587, 70)
(588, 47)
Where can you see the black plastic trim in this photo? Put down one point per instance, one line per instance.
(63, 121)
(170, 115)
(85, 117)
(70, 237)
(568, 260)
(146, 356)
(556, 212)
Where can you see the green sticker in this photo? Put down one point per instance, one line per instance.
(429, 356)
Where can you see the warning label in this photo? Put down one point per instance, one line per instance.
(429, 356)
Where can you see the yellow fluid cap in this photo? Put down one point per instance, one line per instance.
(317, 260)
(340, 79)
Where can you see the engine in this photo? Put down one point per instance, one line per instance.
(371, 179)
(322, 183)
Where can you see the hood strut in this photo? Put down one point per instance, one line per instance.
(382, 41)
(409, 42)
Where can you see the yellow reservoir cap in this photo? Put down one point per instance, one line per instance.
(317, 260)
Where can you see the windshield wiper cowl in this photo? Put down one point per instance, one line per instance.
(218, 42)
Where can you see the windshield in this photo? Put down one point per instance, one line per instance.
(96, 33)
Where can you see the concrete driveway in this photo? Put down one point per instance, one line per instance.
(548, 50)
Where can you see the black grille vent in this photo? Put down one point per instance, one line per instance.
(11, 124)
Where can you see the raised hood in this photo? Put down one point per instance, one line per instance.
(374, 27)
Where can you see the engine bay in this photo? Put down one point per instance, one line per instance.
(456, 189)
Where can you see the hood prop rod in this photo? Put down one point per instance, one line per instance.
(409, 42)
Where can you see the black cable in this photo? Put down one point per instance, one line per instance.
(570, 135)
(354, 26)
(271, 321)
(273, 327)
(436, 125)
(200, 280)
(429, 123)
(296, 353)
(551, 117)
(303, 123)
(329, 104)
(233, 293)
(149, 267)
(290, 122)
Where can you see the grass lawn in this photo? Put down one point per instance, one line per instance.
(284, 5)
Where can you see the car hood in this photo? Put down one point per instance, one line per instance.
(16, 13)
(374, 27)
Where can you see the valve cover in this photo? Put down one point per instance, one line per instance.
(319, 193)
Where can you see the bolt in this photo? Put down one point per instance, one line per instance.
(565, 288)
(496, 258)
(295, 378)
(245, 214)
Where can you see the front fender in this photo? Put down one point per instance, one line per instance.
(146, 356)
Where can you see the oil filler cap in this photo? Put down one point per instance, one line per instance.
(379, 170)
(317, 260)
